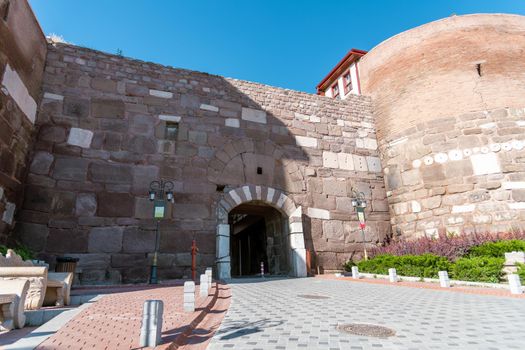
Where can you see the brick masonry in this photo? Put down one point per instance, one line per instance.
(102, 139)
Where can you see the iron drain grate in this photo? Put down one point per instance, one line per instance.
(313, 296)
(368, 330)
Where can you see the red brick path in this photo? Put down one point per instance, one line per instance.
(426, 285)
(114, 321)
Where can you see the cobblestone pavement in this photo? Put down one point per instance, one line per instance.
(272, 315)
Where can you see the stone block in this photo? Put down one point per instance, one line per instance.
(515, 284)
(105, 239)
(431, 202)
(142, 144)
(330, 160)
(41, 163)
(518, 195)
(459, 188)
(189, 296)
(106, 85)
(444, 281)
(115, 205)
(253, 115)
(374, 164)
(86, 204)
(190, 211)
(136, 90)
(142, 125)
(55, 134)
(401, 208)
(128, 260)
(333, 230)
(346, 161)
(411, 177)
(392, 275)
(138, 241)
(67, 241)
(151, 328)
(107, 108)
(63, 203)
(15, 87)
(76, 107)
(355, 272)
(334, 187)
(160, 93)
(198, 137)
(434, 172)
(360, 163)
(80, 137)
(467, 208)
(316, 213)
(33, 236)
(484, 164)
(232, 122)
(304, 141)
(170, 118)
(209, 108)
(110, 173)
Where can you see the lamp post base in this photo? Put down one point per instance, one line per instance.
(153, 275)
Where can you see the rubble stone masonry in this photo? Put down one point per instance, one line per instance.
(449, 110)
(106, 128)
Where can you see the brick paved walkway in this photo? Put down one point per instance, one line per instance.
(114, 321)
(273, 315)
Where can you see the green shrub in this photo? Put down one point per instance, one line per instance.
(497, 249)
(478, 269)
(425, 265)
(19, 249)
(521, 272)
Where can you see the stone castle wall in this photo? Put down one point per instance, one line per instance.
(450, 117)
(102, 138)
(22, 56)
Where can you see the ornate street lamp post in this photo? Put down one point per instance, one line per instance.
(359, 204)
(160, 192)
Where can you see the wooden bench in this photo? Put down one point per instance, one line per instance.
(45, 288)
(12, 298)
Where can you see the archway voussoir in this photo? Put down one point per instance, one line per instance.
(236, 198)
(247, 193)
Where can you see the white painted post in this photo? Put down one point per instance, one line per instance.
(151, 329)
(209, 275)
(444, 281)
(355, 272)
(189, 296)
(392, 275)
(515, 284)
(204, 286)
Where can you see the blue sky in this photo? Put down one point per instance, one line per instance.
(291, 44)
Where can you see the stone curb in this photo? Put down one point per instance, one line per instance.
(182, 338)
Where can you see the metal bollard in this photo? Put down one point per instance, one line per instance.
(204, 286)
(189, 296)
(392, 275)
(151, 329)
(355, 272)
(209, 275)
(262, 269)
(515, 284)
(444, 281)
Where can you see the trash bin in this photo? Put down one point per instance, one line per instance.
(66, 264)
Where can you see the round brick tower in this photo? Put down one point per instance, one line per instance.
(449, 102)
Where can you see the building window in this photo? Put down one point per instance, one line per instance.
(171, 131)
(335, 90)
(347, 82)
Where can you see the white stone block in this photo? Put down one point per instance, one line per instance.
(444, 281)
(346, 161)
(513, 185)
(253, 115)
(150, 331)
(301, 116)
(232, 122)
(203, 286)
(247, 193)
(355, 272)
(280, 201)
(315, 119)
(161, 94)
(296, 227)
(189, 296)
(360, 163)
(305, 141)
(208, 274)
(9, 213)
(488, 125)
(514, 284)
(484, 164)
(80, 137)
(258, 192)
(340, 122)
(18, 91)
(50, 96)
(297, 213)
(374, 164)
(330, 160)
(467, 208)
(297, 240)
(514, 257)
(415, 206)
(392, 275)
(235, 196)
(210, 108)
(316, 213)
(189, 287)
(270, 194)
(516, 205)
(170, 118)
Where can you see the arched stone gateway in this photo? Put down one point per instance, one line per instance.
(276, 199)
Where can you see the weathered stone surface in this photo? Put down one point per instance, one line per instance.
(115, 204)
(110, 173)
(80, 137)
(86, 204)
(105, 239)
(69, 168)
(106, 108)
(33, 236)
(67, 241)
(41, 163)
(138, 241)
(518, 195)
(76, 107)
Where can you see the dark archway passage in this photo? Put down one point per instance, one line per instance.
(258, 234)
